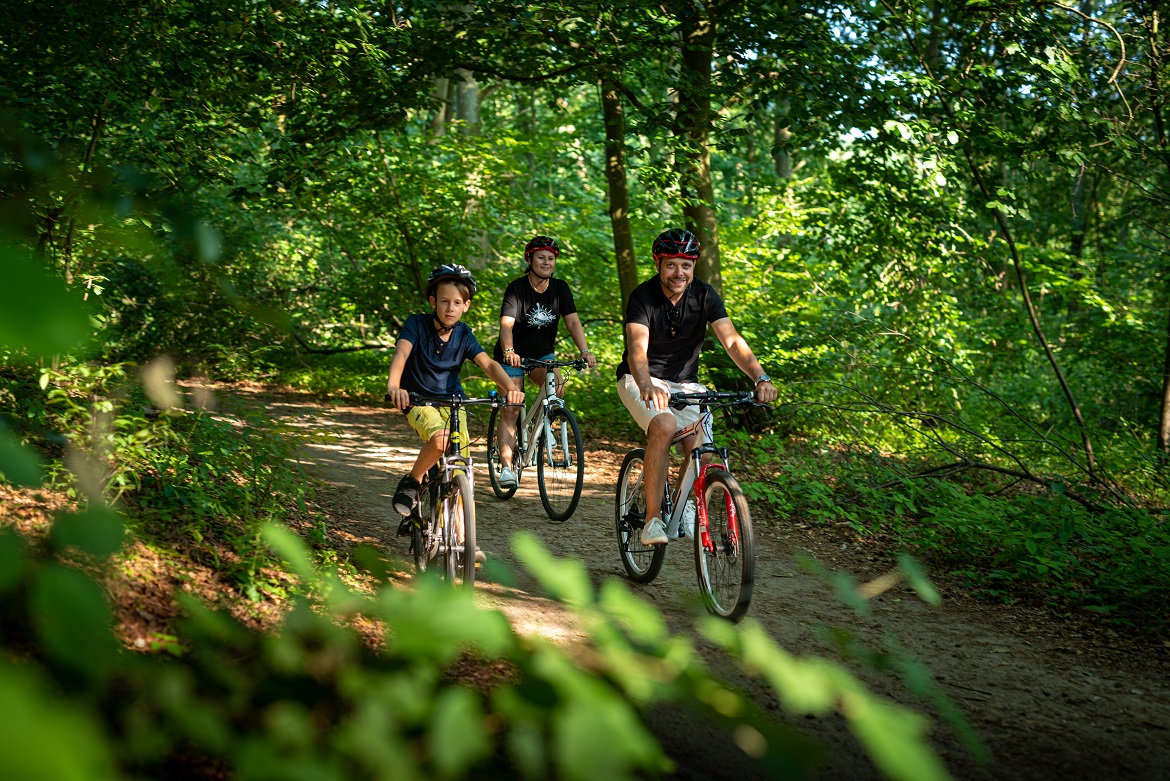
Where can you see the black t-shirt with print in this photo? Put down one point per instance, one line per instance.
(674, 358)
(534, 334)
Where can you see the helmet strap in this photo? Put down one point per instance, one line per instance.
(534, 273)
(442, 329)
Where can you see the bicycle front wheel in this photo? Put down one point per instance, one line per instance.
(560, 465)
(725, 557)
(493, 457)
(459, 527)
(642, 562)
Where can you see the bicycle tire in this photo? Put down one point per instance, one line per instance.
(424, 540)
(459, 508)
(493, 459)
(726, 569)
(560, 468)
(642, 562)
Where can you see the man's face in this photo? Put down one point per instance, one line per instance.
(543, 262)
(675, 274)
(449, 303)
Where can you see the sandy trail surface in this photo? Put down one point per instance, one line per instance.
(1050, 698)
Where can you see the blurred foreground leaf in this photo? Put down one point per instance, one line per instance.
(97, 531)
(18, 465)
(37, 312)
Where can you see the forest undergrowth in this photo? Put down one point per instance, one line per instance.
(1001, 539)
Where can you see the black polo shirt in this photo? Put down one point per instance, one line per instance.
(674, 358)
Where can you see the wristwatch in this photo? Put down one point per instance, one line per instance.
(763, 378)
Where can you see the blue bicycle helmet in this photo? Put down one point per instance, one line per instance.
(451, 272)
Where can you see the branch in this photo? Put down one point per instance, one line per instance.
(485, 70)
(337, 350)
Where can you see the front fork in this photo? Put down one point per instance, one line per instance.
(701, 525)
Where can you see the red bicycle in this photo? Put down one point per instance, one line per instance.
(723, 543)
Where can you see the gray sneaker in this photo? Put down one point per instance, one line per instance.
(653, 533)
(507, 478)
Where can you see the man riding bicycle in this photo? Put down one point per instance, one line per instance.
(665, 322)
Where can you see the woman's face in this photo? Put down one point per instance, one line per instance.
(543, 262)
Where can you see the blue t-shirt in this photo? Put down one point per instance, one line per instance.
(433, 365)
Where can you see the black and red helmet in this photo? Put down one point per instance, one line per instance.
(451, 272)
(541, 242)
(676, 243)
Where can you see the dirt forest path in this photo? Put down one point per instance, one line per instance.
(1048, 700)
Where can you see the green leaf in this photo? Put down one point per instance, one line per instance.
(47, 740)
(457, 735)
(18, 464)
(97, 531)
(38, 314)
(291, 548)
(565, 578)
(71, 618)
(916, 577)
(11, 559)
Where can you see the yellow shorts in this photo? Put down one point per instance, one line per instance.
(428, 421)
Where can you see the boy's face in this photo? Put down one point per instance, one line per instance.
(449, 303)
(676, 273)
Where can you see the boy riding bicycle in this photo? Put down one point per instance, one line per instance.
(533, 305)
(427, 358)
(665, 323)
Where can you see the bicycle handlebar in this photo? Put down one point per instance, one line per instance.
(528, 364)
(709, 398)
(419, 399)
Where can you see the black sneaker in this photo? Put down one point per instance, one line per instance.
(406, 495)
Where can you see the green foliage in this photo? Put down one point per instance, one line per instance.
(314, 695)
(1040, 546)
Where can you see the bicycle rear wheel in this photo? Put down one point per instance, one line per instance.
(459, 531)
(560, 465)
(493, 458)
(642, 562)
(725, 557)
(424, 539)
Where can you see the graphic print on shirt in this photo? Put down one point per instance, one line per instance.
(539, 317)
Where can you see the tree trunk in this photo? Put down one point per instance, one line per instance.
(467, 100)
(439, 119)
(619, 194)
(780, 155)
(693, 126)
(1155, 90)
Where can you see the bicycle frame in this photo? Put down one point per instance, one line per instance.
(535, 420)
(452, 459)
(695, 477)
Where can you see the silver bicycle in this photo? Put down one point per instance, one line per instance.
(443, 528)
(548, 438)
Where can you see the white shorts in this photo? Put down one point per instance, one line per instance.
(684, 419)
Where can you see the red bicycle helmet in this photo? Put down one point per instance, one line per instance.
(676, 243)
(541, 242)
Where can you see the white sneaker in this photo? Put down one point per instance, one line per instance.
(653, 533)
(687, 527)
(506, 478)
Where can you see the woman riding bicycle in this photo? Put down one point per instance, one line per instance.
(665, 323)
(532, 308)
